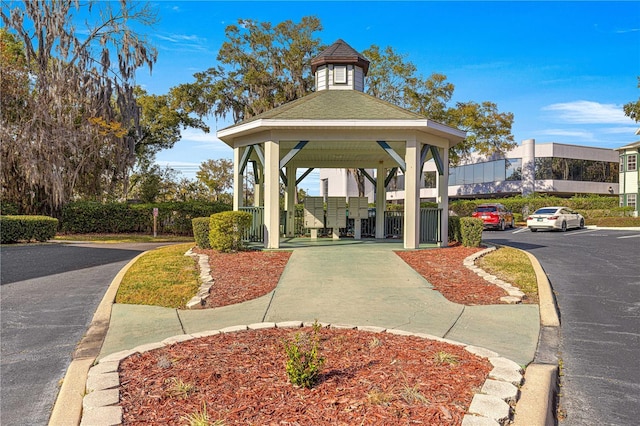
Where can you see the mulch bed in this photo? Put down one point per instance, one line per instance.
(444, 270)
(240, 378)
(243, 276)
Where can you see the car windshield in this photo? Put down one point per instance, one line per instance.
(546, 211)
(485, 209)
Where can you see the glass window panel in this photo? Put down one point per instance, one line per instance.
(488, 172)
(478, 172)
(498, 170)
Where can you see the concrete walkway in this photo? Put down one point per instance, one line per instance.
(343, 282)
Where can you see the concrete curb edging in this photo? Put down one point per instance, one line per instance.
(67, 410)
(490, 406)
(537, 404)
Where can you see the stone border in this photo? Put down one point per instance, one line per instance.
(491, 406)
(206, 281)
(515, 295)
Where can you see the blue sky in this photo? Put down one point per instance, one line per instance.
(564, 69)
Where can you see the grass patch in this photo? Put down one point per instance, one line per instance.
(162, 277)
(512, 266)
(123, 238)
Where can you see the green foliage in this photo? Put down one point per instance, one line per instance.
(471, 231)
(304, 361)
(217, 176)
(201, 231)
(86, 217)
(227, 229)
(262, 66)
(27, 228)
(7, 208)
(529, 204)
(455, 229)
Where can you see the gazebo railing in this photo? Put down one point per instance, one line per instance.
(430, 220)
(255, 233)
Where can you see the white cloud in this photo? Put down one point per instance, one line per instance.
(588, 112)
(184, 42)
(194, 135)
(565, 133)
(624, 130)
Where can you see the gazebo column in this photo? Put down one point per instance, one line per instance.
(412, 195)
(290, 200)
(271, 195)
(237, 178)
(443, 197)
(381, 196)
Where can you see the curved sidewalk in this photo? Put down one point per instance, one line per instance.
(361, 282)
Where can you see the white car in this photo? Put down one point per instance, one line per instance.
(561, 218)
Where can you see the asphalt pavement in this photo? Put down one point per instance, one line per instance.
(48, 295)
(595, 274)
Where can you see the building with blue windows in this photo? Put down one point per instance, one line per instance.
(549, 168)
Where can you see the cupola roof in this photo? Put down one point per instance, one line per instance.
(340, 53)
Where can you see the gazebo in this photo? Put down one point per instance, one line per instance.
(339, 126)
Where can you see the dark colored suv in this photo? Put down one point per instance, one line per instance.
(494, 215)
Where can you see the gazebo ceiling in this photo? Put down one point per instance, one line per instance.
(337, 154)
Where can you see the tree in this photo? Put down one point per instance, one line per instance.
(488, 131)
(392, 78)
(261, 67)
(73, 132)
(217, 176)
(161, 118)
(632, 109)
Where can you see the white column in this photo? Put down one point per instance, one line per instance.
(442, 189)
(272, 195)
(412, 195)
(380, 201)
(237, 178)
(290, 199)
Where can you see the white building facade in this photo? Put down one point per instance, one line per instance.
(549, 168)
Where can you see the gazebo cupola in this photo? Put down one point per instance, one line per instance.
(340, 67)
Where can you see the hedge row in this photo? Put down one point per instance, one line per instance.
(465, 230)
(27, 228)
(84, 217)
(526, 205)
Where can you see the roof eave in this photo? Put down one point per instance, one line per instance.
(454, 135)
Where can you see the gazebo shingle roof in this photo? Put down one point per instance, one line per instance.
(336, 105)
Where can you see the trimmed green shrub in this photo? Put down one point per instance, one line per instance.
(86, 217)
(454, 229)
(27, 228)
(471, 231)
(226, 230)
(201, 231)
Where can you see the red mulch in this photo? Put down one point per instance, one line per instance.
(240, 378)
(444, 270)
(243, 276)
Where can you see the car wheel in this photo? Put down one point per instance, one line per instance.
(533, 229)
(513, 223)
(581, 223)
(502, 226)
(564, 226)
